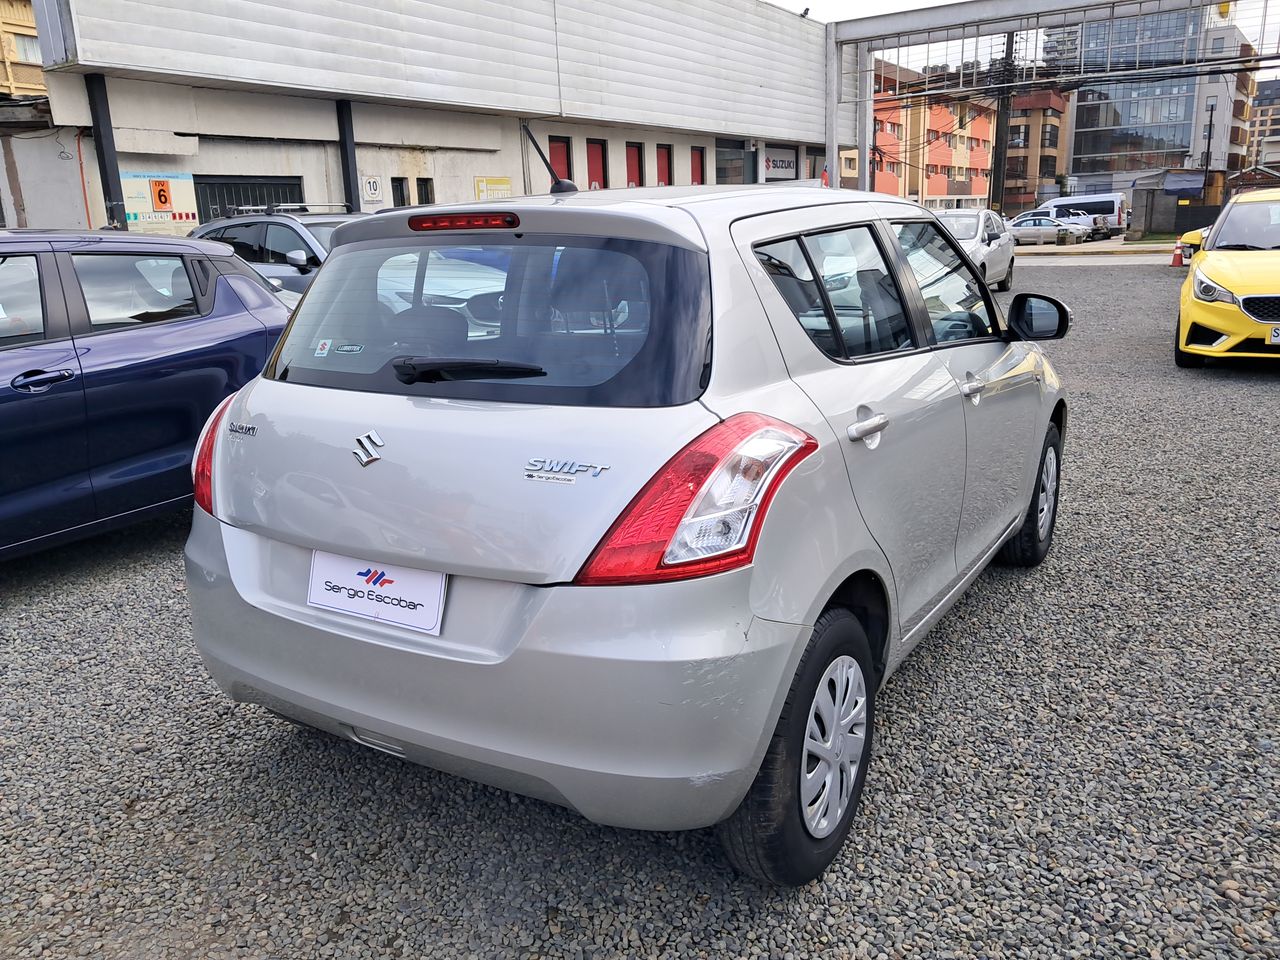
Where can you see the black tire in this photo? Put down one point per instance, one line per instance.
(1180, 357)
(766, 837)
(1005, 285)
(1028, 548)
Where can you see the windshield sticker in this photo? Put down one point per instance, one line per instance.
(322, 348)
(348, 348)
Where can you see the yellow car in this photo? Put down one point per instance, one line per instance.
(1231, 298)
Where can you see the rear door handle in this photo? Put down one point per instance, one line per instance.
(38, 381)
(869, 427)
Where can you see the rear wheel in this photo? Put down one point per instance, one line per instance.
(796, 816)
(1030, 545)
(1005, 285)
(1180, 357)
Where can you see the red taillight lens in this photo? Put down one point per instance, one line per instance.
(202, 465)
(464, 221)
(702, 512)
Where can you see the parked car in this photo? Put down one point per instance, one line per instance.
(1033, 229)
(1230, 302)
(646, 551)
(114, 349)
(1112, 207)
(1078, 218)
(986, 239)
(1096, 223)
(283, 245)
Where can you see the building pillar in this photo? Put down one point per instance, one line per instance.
(833, 108)
(104, 143)
(347, 157)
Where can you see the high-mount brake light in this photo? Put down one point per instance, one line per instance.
(202, 466)
(703, 511)
(464, 221)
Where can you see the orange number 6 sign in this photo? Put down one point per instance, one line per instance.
(161, 198)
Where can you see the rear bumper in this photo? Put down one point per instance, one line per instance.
(647, 707)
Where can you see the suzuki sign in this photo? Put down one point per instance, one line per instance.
(781, 163)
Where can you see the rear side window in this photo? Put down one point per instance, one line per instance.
(125, 289)
(537, 319)
(862, 314)
(280, 242)
(21, 306)
(245, 240)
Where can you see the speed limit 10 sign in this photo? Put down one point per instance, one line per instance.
(161, 196)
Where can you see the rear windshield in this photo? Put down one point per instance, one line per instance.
(963, 226)
(559, 320)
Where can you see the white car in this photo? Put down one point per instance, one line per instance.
(649, 545)
(987, 240)
(1039, 229)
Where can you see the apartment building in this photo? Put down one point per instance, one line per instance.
(1039, 143)
(20, 50)
(1264, 122)
(936, 153)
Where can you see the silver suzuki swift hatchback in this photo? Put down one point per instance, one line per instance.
(639, 518)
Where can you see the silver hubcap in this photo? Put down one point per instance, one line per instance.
(833, 741)
(1048, 500)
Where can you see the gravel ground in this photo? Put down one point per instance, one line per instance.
(1083, 760)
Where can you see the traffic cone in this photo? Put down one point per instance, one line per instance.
(1177, 255)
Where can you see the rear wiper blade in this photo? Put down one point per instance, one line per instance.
(438, 369)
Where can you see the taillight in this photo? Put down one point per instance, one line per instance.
(702, 512)
(202, 465)
(464, 221)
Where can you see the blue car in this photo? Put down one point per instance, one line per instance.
(114, 349)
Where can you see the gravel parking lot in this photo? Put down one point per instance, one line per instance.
(1083, 760)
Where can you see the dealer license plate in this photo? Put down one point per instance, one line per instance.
(409, 598)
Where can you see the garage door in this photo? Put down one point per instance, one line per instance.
(219, 196)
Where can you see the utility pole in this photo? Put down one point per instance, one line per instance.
(1000, 150)
(1208, 146)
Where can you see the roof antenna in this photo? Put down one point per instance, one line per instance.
(558, 185)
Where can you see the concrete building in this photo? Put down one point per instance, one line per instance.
(1224, 106)
(936, 153)
(333, 102)
(1039, 141)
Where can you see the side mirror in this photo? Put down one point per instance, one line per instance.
(276, 283)
(1193, 238)
(838, 282)
(1033, 316)
(298, 258)
(992, 236)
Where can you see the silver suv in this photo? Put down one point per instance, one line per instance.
(649, 543)
(283, 245)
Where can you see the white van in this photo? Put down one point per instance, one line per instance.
(1113, 206)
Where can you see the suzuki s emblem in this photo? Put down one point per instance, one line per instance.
(366, 445)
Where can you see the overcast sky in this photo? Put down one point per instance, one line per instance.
(826, 11)
(1249, 15)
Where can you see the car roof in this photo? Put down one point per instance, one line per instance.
(670, 212)
(78, 239)
(283, 217)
